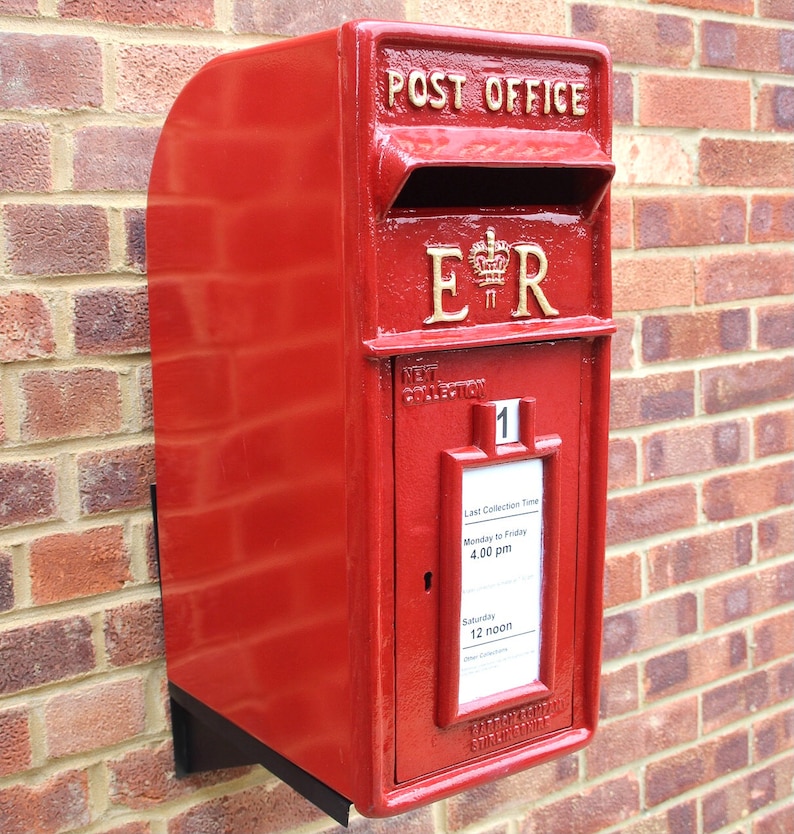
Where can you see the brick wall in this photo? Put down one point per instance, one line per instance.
(698, 724)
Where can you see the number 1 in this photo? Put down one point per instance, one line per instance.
(502, 415)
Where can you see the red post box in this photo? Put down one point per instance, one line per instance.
(380, 320)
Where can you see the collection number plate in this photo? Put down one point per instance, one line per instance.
(501, 562)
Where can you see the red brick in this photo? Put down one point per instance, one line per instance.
(69, 565)
(111, 320)
(694, 665)
(775, 108)
(623, 101)
(649, 283)
(776, 326)
(134, 633)
(260, 809)
(776, 535)
(24, 157)
(774, 638)
(651, 625)
(637, 37)
(678, 819)
(622, 463)
(28, 492)
(49, 72)
(744, 596)
(115, 479)
(619, 691)
(697, 448)
(695, 101)
(135, 239)
(20, 7)
(94, 716)
(735, 700)
(114, 158)
(60, 240)
(194, 13)
(751, 274)
(689, 221)
(15, 751)
(7, 596)
(783, 10)
(45, 652)
(695, 767)
(59, 804)
(502, 795)
(743, 795)
(700, 556)
(755, 48)
(749, 491)
(289, 19)
(650, 513)
(145, 778)
(26, 329)
(771, 218)
(778, 821)
(691, 335)
(418, 821)
(623, 345)
(149, 77)
(622, 579)
(622, 226)
(774, 433)
(654, 729)
(638, 401)
(752, 383)
(652, 159)
(746, 163)
(77, 403)
(773, 735)
(589, 811)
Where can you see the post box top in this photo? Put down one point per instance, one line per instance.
(475, 40)
(391, 133)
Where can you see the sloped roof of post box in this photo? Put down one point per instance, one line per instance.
(402, 150)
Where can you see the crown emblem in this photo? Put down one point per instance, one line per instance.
(489, 259)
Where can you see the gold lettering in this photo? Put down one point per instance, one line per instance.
(435, 82)
(546, 97)
(531, 85)
(493, 93)
(559, 101)
(512, 94)
(417, 97)
(396, 84)
(576, 99)
(533, 284)
(458, 81)
(441, 284)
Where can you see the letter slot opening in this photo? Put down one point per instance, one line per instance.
(471, 187)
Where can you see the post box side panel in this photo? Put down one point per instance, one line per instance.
(246, 301)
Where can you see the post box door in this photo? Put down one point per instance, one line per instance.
(435, 395)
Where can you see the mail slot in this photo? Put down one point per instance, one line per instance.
(379, 281)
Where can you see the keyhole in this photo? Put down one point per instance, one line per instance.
(428, 581)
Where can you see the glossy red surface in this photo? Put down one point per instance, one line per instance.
(313, 229)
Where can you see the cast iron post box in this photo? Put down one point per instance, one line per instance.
(380, 320)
